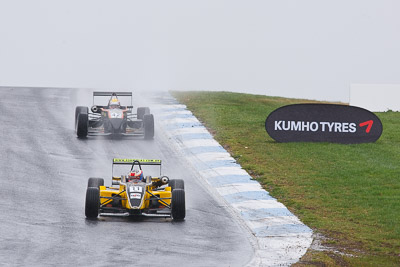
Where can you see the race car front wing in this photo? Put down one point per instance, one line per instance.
(105, 210)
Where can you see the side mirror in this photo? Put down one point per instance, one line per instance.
(164, 180)
(95, 109)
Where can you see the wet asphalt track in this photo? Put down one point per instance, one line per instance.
(44, 172)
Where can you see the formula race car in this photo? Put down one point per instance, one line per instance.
(135, 194)
(113, 118)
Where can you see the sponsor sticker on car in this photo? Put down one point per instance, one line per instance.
(136, 196)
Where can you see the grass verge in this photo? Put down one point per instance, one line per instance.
(350, 194)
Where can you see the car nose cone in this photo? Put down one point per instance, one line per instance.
(116, 123)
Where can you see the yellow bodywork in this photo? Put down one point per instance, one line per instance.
(120, 191)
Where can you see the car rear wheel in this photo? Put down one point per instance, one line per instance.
(81, 121)
(176, 184)
(95, 182)
(178, 209)
(80, 109)
(92, 202)
(148, 122)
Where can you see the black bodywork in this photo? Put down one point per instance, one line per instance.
(104, 120)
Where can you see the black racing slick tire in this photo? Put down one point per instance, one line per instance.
(141, 111)
(80, 109)
(95, 182)
(178, 208)
(176, 184)
(82, 125)
(92, 203)
(148, 123)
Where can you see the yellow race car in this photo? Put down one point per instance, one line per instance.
(134, 194)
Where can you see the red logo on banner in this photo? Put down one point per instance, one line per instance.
(369, 123)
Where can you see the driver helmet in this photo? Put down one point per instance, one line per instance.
(114, 102)
(135, 175)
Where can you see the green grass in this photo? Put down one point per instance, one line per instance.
(348, 193)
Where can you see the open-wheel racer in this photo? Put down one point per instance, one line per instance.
(136, 194)
(113, 118)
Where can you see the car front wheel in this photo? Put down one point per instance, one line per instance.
(178, 209)
(92, 202)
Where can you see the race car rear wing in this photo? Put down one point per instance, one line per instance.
(111, 93)
(117, 161)
(141, 161)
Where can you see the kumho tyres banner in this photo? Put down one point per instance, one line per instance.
(323, 123)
